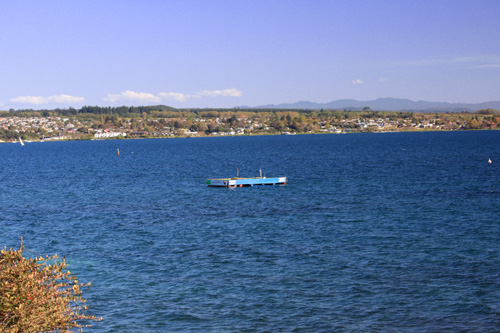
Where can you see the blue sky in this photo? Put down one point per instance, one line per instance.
(234, 53)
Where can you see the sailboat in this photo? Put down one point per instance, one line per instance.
(21, 142)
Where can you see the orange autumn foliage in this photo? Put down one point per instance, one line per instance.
(39, 294)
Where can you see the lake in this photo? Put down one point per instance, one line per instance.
(373, 232)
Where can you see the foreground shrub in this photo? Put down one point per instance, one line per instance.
(38, 294)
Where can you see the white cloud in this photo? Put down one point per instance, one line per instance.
(132, 96)
(226, 92)
(357, 81)
(382, 79)
(63, 99)
(179, 97)
(66, 99)
(31, 100)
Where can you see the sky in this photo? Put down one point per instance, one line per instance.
(222, 54)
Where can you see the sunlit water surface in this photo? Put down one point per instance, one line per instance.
(373, 232)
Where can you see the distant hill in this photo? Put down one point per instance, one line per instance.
(387, 104)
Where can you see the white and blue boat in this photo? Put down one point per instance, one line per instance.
(245, 182)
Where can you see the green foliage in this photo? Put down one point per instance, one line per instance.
(487, 111)
(8, 135)
(39, 294)
(199, 127)
(121, 111)
(162, 121)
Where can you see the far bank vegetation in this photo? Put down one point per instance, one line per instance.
(163, 121)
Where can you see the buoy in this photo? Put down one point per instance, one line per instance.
(489, 160)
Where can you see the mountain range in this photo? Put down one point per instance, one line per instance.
(386, 104)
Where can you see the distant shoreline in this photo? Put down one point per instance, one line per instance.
(248, 135)
(31, 126)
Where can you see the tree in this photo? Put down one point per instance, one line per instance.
(473, 124)
(233, 121)
(83, 129)
(178, 124)
(36, 295)
(279, 125)
(199, 127)
(487, 111)
(212, 126)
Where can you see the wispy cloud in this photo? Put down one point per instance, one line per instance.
(179, 97)
(357, 81)
(62, 99)
(470, 62)
(225, 93)
(132, 96)
(492, 65)
(129, 95)
(382, 79)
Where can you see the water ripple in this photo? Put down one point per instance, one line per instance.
(367, 236)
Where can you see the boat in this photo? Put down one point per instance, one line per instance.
(245, 182)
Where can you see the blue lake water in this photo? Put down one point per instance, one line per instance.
(373, 232)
